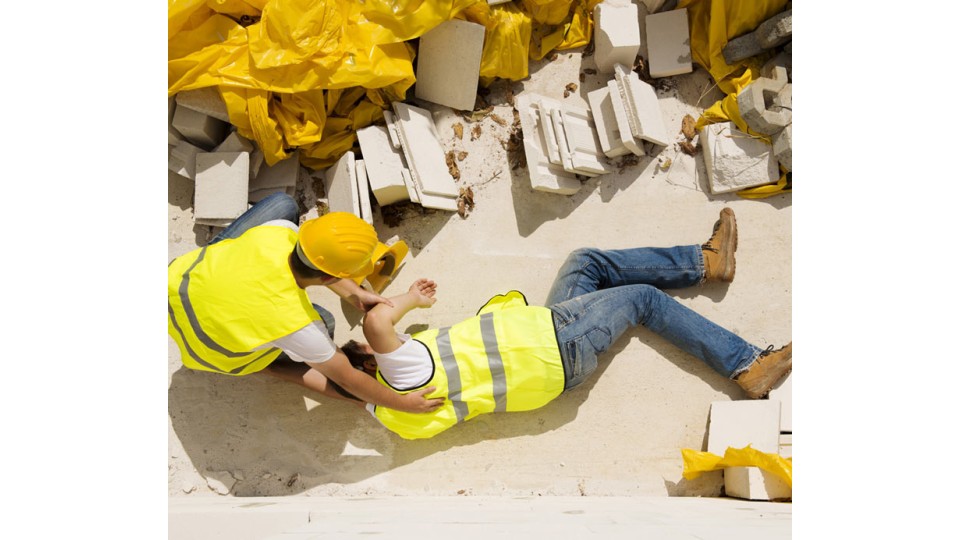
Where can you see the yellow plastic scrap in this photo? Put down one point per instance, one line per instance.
(695, 463)
(550, 12)
(574, 29)
(506, 42)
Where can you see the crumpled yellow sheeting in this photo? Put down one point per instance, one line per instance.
(696, 463)
(280, 75)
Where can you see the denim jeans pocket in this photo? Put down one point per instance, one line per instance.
(574, 357)
(600, 339)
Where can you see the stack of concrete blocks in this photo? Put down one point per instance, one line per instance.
(737, 424)
(766, 107)
(545, 175)
(427, 169)
(627, 114)
(617, 34)
(736, 160)
(668, 43)
(783, 392)
(448, 64)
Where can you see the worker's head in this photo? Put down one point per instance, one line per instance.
(338, 244)
(361, 357)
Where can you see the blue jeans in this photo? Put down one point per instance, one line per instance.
(274, 206)
(599, 294)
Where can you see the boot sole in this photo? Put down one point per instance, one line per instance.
(728, 249)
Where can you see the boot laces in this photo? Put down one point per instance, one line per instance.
(709, 245)
(768, 351)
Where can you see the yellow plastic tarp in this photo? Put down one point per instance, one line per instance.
(695, 463)
(308, 73)
(713, 23)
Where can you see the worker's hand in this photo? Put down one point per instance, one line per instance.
(364, 300)
(417, 402)
(423, 291)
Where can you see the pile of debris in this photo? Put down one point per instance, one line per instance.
(404, 160)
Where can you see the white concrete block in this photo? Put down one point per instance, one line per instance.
(363, 192)
(544, 176)
(411, 187)
(755, 484)
(448, 64)
(668, 43)
(222, 185)
(783, 392)
(256, 161)
(642, 105)
(736, 424)
(183, 159)
(205, 100)
(198, 128)
(384, 165)
(392, 129)
(617, 34)
(606, 121)
(583, 141)
(567, 156)
(235, 143)
(421, 146)
(736, 160)
(551, 139)
(340, 185)
(786, 445)
(281, 175)
(617, 103)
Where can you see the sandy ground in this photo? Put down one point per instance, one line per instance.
(619, 434)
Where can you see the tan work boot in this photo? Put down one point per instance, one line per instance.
(720, 263)
(766, 371)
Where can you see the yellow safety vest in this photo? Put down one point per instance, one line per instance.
(506, 358)
(227, 299)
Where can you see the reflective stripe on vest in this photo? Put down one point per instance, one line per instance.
(225, 301)
(504, 360)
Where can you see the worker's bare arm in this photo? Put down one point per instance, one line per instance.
(339, 370)
(379, 322)
(356, 295)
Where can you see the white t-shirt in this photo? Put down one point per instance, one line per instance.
(407, 367)
(311, 343)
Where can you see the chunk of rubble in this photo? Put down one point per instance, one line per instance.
(736, 160)
(668, 43)
(425, 158)
(544, 175)
(616, 34)
(384, 165)
(222, 186)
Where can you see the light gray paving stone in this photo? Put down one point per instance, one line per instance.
(283, 174)
(222, 185)
(448, 64)
(205, 100)
(668, 43)
(201, 130)
(340, 185)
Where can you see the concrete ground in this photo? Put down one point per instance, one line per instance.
(620, 434)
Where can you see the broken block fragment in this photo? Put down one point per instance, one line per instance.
(642, 106)
(617, 34)
(363, 192)
(668, 43)
(757, 106)
(201, 130)
(544, 176)
(448, 64)
(222, 186)
(425, 158)
(183, 159)
(605, 119)
(772, 32)
(340, 185)
(736, 160)
(206, 101)
(383, 163)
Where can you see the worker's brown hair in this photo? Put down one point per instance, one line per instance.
(305, 271)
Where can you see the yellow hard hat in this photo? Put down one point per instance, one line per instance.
(339, 243)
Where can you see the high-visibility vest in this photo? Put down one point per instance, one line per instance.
(506, 358)
(227, 299)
